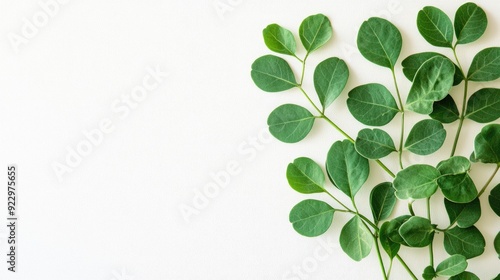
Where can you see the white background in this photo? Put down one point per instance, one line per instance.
(118, 215)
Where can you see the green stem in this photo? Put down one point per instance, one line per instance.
(410, 208)
(406, 267)
(402, 109)
(338, 201)
(464, 104)
(381, 262)
(390, 269)
(431, 249)
(489, 180)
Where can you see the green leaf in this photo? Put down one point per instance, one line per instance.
(390, 247)
(484, 105)
(465, 276)
(380, 42)
(470, 23)
(452, 266)
(496, 244)
(290, 123)
(393, 229)
(374, 143)
(416, 181)
(315, 31)
(272, 74)
(468, 242)
(487, 145)
(485, 65)
(458, 188)
(454, 166)
(311, 217)
(435, 26)
(464, 214)
(355, 239)
(412, 63)
(382, 201)
(417, 232)
(372, 104)
(426, 137)
(330, 78)
(347, 169)
(305, 176)
(279, 39)
(429, 273)
(445, 110)
(494, 199)
(432, 82)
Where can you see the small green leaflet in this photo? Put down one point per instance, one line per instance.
(330, 78)
(311, 217)
(426, 137)
(487, 145)
(465, 276)
(485, 65)
(468, 242)
(464, 214)
(496, 244)
(458, 188)
(435, 26)
(272, 74)
(454, 166)
(445, 110)
(279, 39)
(305, 176)
(484, 105)
(390, 247)
(393, 229)
(315, 31)
(494, 199)
(290, 123)
(417, 232)
(416, 181)
(372, 104)
(452, 266)
(355, 239)
(470, 23)
(429, 273)
(412, 63)
(374, 143)
(382, 201)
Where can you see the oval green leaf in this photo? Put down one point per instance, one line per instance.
(279, 39)
(347, 169)
(330, 78)
(465, 276)
(496, 244)
(468, 242)
(311, 217)
(454, 166)
(494, 199)
(458, 188)
(417, 232)
(445, 110)
(452, 266)
(393, 229)
(464, 214)
(412, 63)
(485, 65)
(380, 42)
(487, 145)
(372, 104)
(435, 26)
(426, 137)
(416, 181)
(390, 247)
(315, 31)
(470, 23)
(305, 176)
(484, 105)
(355, 239)
(374, 143)
(429, 273)
(382, 201)
(290, 123)
(272, 74)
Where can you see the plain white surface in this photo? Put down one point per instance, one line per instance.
(118, 215)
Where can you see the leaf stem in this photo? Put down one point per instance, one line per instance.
(406, 267)
(402, 110)
(489, 181)
(431, 249)
(410, 208)
(464, 104)
(381, 262)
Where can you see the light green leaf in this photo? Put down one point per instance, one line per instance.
(487, 145)
(393, 229)
(355, 239)
(429, 273)
(417, 232)
(452, 266)
(311, 217)
(382, 201)
(458, 188)
(432, 83)
(496, 244)
(305, 176)
(279, 39)
(465, 276)
(390, 247)
(485, 65)
(315, 31)
(426, 137)
(435, 26)
(347, 169)
(464, 214)
(494, 199)
(445, 110)
(412, 63)
(374, 143)
(330, 78)
(290, 123)
(468, 242)
(416, 181)
(272, 74)
(484, 105)
(470, 23)
(372, 104)
(380, 42)
(454, 166)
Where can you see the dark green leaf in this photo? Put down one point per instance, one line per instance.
(315, 31)
(305, 176)
(454, 166)
(372, 104)
(429, 273)
(279, 39)
(374, 143)
(311, 217)
(465, 276)
(417, 232)
(484, 105)
(470, 23)
(487, 145)
(458, 188)
(496, 244)
(355, 239)
(390, 247)
(347, 169)
(380, 42)
(393, 229)
(494, 199)
(412, 63)
(290, 123)
(272, 74)
(426, 137)
(382, 201)
(435, 26)
(464, 214)
(432, 83)
(330, 78)
(445, 110)
(416, 181)
(485, 65)
(452, 266)
(468, 242)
